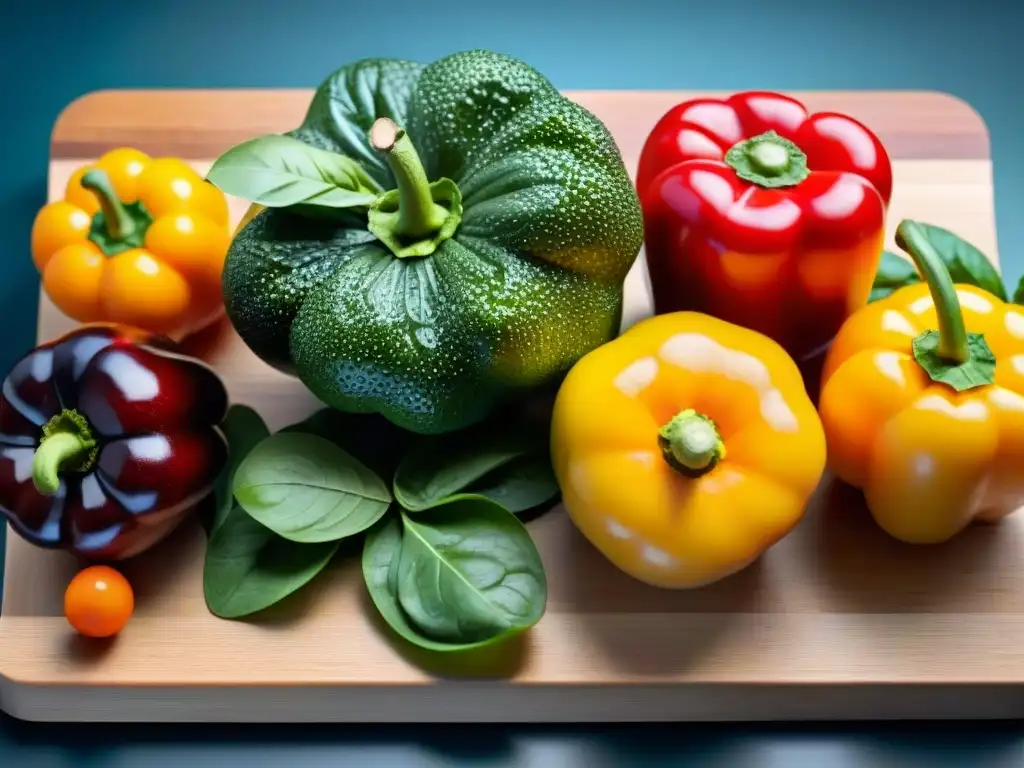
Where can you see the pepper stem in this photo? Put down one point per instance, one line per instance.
(67, 443)
(768, 160)
(952, 342)
(691, 443)
(950, 355)
(418, 214)
(119, 223)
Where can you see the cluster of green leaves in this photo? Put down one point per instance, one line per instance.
(966, 264)
(447, 562)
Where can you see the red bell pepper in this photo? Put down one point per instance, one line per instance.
(763, 215)
(108, 439)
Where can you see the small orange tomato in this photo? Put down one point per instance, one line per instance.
(99, 601)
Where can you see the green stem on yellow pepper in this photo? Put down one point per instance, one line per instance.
(119, 223)
(950, 355)
(691, 443)
(952, 331)
(67, 442)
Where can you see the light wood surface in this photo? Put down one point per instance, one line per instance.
(835, 622)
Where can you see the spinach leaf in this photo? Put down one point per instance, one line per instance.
(248, 567)
(1018, 295)
(381, 555)
(894, 272)
(469, 572)
(522, 484)
(243, 428)
(279, 171)
(512, 469)
(371, 438)
(966, 264)
(307, 489)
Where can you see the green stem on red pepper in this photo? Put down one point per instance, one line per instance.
(67, 443)
(768, 160)
(691, 443)
(950, 354)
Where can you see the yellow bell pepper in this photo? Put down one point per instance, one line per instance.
(917, 411)
(685, 448)
(136, 240)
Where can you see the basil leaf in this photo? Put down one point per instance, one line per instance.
(894, 272)
(307, 489)
(279, 171)
(469, 572)
(243, 428)
(966, 264)
(512, 469)
(249, 568)
(371, 438)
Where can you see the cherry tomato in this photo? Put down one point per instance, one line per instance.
(99, 601)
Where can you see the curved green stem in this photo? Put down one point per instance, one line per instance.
(953, 341)
(67, 443)
(768, 160)
(119, 223)
(418, 214)
(691, 443)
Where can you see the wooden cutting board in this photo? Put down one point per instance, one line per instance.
(835, 622)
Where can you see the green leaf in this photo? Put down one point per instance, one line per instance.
(381, 554)
(1018, 295)
(469, 572)
(509, 467)
(249, 568)
(307, 489)
(966, 264)
(977, 371)
(244, 429)
(369, 437)
(279, 171)
(894, 272)
(522, 484)
(348, 101)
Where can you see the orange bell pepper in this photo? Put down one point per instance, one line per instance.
(923, 403)
(136, 240)
(685, 448)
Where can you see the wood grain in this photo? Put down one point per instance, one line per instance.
(200, 124)
(837, 621)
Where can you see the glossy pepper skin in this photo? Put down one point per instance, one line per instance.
(923, 403)
(433, 326)
(136, 240)
(763, 215)
(108, 439)
(685, 448)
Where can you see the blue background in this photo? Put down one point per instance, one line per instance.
(52, 52)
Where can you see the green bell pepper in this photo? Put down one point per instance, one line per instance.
(467, 248)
